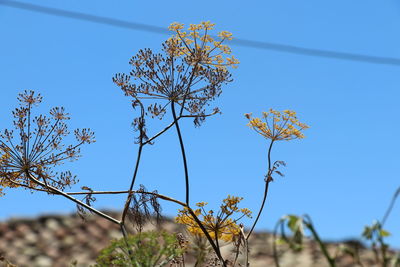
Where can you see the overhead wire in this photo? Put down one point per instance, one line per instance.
(292, 49)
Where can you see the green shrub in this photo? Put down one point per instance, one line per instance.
(148, 249)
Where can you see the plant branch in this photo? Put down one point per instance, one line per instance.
(59, 192)
(129, 198)
(274, 240)
(161, 132)
(210, 240)
(310, 226)
(389, 210)
(267, 181)
(100, 192)
(183, 152)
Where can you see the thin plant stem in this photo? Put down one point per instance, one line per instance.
(389, 209)
(29, 132)
(246, 245)
(210, 240)
(37, 153)
(376, 253)
(247, 253)
(141, 135)
(59, 192)
(274, 247)
(383, 248)
(125, 235)
(310, 226)
(129, 198)
(67, 195)
(161, 132)
(267, 181)
(183, 152)
(216, 238)
(99, 192)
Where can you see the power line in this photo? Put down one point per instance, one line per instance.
(84, 17)
(237, 41)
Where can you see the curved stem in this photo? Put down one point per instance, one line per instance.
(183, 152)
(269, 156)
(142, 134)
(216, 238)
(274, 247)
(161, 132)
(120, 223)
(209, 238)
(267, 181)
(383, 249)
(310, 226)
(261, 208)
(59, 192)
(125, 235)
(389, 209)
(163, 197)
(129, 198)
(99, 192)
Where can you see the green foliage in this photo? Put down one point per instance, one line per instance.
(148, 249)
(375, 234)
(296, 227)
(374, 231)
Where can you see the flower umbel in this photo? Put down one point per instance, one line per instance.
(189, 72)
(27, 159)
(220, 226)
(198, 47)
(277, 125)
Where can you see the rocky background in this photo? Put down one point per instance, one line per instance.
(59, 240)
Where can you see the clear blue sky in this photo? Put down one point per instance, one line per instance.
(343, 174)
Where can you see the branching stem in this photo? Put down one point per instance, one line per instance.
(183, 152)
(59, 192)
(267, 181)
(129, 198)
(310, 226)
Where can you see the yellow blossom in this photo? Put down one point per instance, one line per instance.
(225, 35)
(219, 225)
(195, 27)
(232, 61)
(207, 39)
(225, 49)
(201, 204)
(278, 125)
(207, 25)
(175, 26)
(199, 48)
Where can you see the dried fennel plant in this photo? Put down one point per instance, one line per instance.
(275, 126)
(34, 148)
(185, 77)
(222, 227)
(188, 74)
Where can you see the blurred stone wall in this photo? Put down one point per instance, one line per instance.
(58, 240)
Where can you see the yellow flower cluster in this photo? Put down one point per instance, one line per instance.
(2, 160)
(278, 125)
(5, 176)
(3, 156)
(199, 47)
(219, 226)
